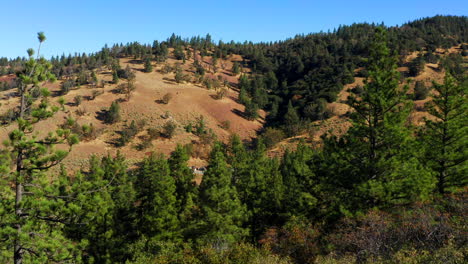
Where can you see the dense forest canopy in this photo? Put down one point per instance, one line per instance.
(384, 192)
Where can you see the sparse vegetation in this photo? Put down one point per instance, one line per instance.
(169, 129)
(112, 115)
(77, 100)
(167, 98)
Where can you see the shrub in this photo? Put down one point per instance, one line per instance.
(77, 100)
(221, 93)
(169, 129)
(208, 137)
(88, 132)
(61, 101)
(167, 98)
(128, 133)
(166, 68)
(80, 111)
(95, 94)
(420, 91)
(66, 86)
(153, 133)
(144, 144)
(10, 116)
(189, 128)
(272, 136)
(226, 124)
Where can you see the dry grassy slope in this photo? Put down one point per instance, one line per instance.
(338, 123)
(189, 102)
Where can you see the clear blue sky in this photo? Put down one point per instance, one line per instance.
(85, 25)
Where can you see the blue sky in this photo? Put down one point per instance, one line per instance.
(85, 26)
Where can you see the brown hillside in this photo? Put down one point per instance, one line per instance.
(189, 102)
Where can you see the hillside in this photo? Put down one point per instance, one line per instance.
(189, 102)
(338, 123)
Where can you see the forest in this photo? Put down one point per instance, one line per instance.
(386, 191)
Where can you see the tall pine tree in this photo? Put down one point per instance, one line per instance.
(445, 138)
(222, 213)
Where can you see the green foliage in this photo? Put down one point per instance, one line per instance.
(378, 152)
(148, 65)
(156, 191)
(186, 192)
(420, 91)
(113, 114)
(222, 213)
(115, 77)
(445, 138)
(179, 53)
(235, 68)
(67, 86)
(77, 100)
(169, 129)
(31, 207)
(292, 123)
(251, 111)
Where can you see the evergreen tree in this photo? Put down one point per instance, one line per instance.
(375, 162)
(32, 225)
(156, 188)
(300, 183)
(113, 114)
(115, 77)
(259, 186)
(251, 111)
(222, 212)
(186, 192)
(148, 65)
(446, 138)
(291, 121)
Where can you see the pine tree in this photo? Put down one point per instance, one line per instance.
(291, 121)
(148, 65)
(251, 111)
(157, 192)
(222, 212)
(376, 160)
(115, 77)
(185, 186)
(259, 186)
(446, 137)
(300, 182)
(32, 224)
(113, 114)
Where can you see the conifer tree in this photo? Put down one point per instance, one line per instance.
(375, 162)
(186, 192)
(446, 137)
(32, 224)
(222, 212)
(299, 183)
(156, 189)
(148, 65)
(291, 121)
(115, 77)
